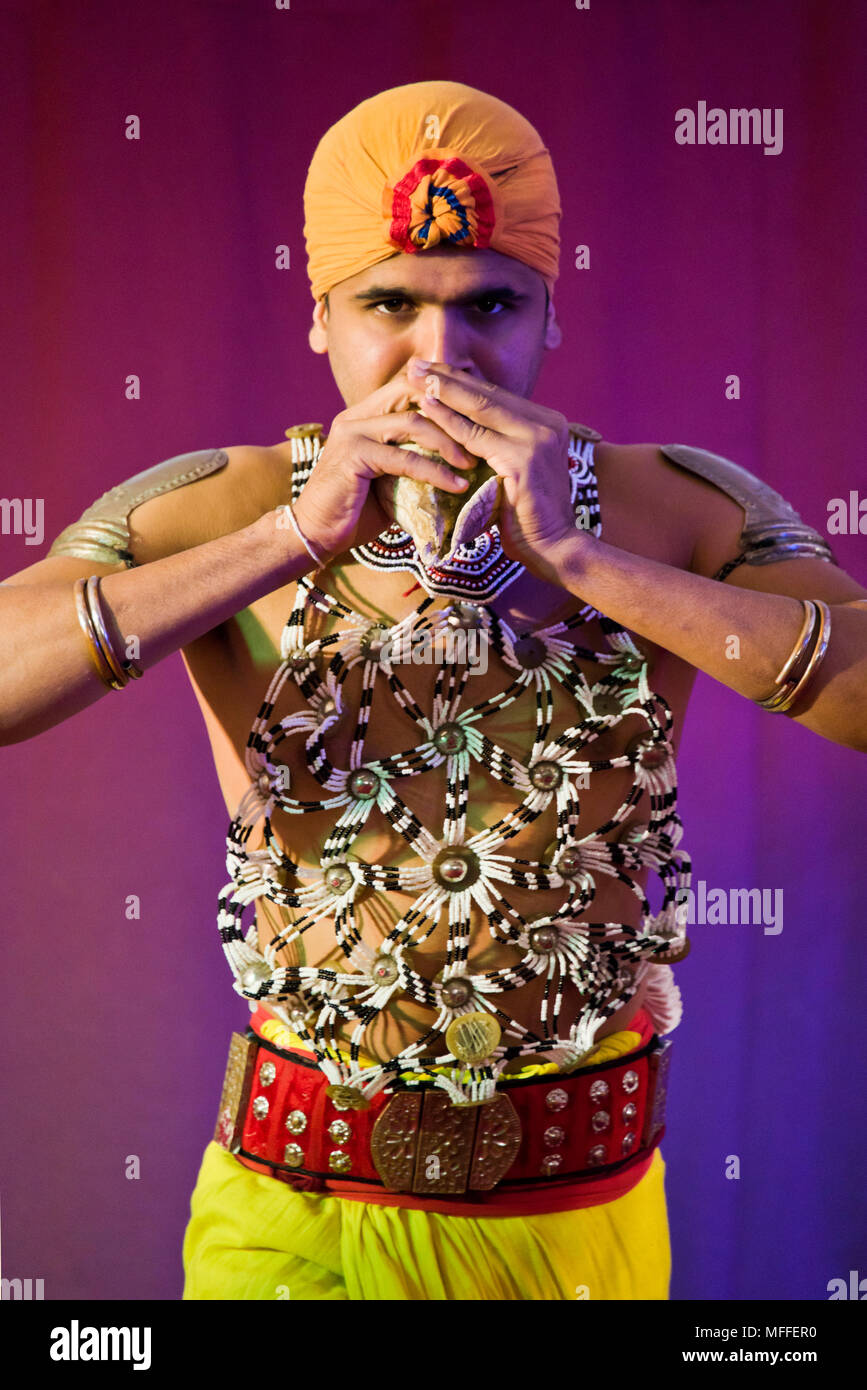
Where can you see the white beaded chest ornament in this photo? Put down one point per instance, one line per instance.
(451, 870)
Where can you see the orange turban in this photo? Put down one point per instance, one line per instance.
(429, 164)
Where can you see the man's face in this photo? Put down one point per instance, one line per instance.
(477, 310)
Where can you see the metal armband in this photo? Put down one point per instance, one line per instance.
(101, 533)
(773, 530)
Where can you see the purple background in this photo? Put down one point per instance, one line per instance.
(157, 257)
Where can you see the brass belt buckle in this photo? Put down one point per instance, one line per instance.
(237, 1085)
(422, 1143)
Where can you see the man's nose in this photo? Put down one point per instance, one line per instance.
(440, 337)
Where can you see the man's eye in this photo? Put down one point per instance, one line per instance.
(492, 299)
(400, 300)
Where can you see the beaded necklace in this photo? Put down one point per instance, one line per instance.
(451, 869)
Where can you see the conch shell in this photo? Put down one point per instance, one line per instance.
(440, 521)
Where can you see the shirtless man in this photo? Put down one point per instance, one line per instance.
(212, 569)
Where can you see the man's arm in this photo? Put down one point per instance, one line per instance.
(696, 617)
(186, 560)
(688, 613)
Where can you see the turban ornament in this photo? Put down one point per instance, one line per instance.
(441, 200)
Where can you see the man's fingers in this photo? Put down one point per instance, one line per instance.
(482, 401)
(396, 395)
(385, 458)
(412, 428)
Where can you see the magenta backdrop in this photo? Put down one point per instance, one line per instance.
(156, 257)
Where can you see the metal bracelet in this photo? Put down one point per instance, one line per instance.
(794, 665)
(103, 669)
(782, 700)
(123, 669)
(817, 657)
(802, 643)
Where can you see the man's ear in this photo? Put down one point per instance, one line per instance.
(553, 336)
(318, 335)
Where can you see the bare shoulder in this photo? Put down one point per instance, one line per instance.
(649, 506)
(188, 500)
(710, 515)
(252, 482)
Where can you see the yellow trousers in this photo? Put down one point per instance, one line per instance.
(252, 1237)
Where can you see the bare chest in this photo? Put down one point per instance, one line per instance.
(363, 714)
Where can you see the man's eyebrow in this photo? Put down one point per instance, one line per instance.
(400, 292)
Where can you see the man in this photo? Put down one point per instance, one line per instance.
(453, 1082)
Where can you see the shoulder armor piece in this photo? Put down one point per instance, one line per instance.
(773, 530)
(101, 533)
(585, 432)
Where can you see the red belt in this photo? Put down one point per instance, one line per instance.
(550, 1142)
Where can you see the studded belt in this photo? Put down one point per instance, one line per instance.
(588, 1135)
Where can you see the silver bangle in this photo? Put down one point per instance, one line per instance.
(319, 563)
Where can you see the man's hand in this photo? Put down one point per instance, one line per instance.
(525, 443)
(337, 507)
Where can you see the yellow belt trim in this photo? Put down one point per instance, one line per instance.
(615, 1045)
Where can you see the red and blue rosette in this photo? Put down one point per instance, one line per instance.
(440, 201)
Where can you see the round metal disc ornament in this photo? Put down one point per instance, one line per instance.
(648, 752)
(606, 704)
(338, 877)
(530, 651)
(546, 775)
(473, 1037)
(385, 969)
(569, 864)
(628, 663)
(450, 738)
(457, 991)
(347, 1098)
(373, 641)
(301, 661)
(456, 867)
(544, 939)
(465, 615)
(255, 975)
(363, 783)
